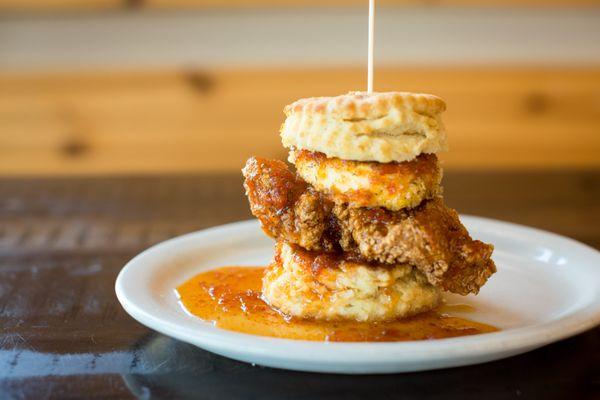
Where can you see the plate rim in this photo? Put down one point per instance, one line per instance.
(511, 340)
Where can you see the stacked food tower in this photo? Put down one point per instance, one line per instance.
(361, 227)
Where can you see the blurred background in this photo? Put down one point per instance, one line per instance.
(169, 86)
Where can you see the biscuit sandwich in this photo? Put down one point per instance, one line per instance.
(361, 227)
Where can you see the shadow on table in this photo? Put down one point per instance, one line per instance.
(184, 371)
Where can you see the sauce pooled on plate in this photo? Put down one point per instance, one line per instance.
(230, 297)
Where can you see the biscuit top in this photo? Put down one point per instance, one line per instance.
(383, 127)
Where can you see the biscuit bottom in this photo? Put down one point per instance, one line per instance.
(324, 286)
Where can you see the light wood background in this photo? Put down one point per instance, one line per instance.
(193, 120)
(61, 5)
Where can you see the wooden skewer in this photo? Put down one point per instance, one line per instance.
(371, 42)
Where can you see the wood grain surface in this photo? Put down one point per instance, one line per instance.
(196, 120)
(64, 335)
(87, 5)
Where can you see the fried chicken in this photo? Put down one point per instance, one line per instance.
(430, 236)
(286, 206)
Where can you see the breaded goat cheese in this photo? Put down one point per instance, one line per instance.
(394, 185)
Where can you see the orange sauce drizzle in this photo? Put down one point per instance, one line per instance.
(230, 298)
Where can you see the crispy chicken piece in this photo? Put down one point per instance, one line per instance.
(286, 206)
(429, 236)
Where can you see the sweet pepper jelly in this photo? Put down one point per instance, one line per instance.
(230, 298)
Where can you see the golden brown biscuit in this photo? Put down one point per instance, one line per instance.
(371, 184)
(326, 286)
(383, 127)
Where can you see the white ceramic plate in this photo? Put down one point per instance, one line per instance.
(547, 288)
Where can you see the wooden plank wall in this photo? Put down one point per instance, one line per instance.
(86, 5)
(213, 120)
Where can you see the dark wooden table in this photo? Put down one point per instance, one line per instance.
(64, 335)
